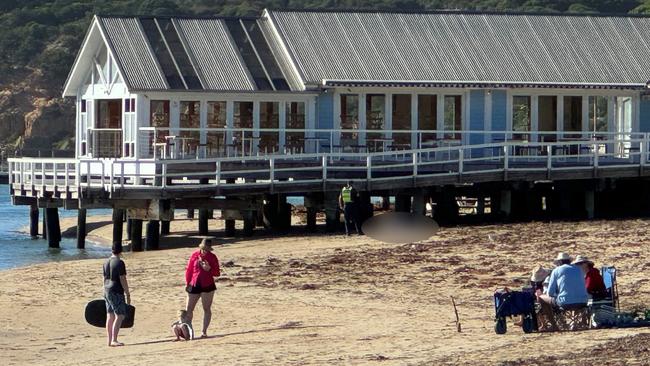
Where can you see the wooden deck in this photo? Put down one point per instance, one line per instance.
(300, 174)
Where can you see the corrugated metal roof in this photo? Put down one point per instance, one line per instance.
(466, 47)
(217, 58)
(207, 43)
(132, 52)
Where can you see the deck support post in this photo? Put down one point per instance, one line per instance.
(419, 206)
(332, 212)
(81, 228)
(590, 204)
(385, 203)
(230, 227)
(480, 205)
(44, 223)
(118, 215)
(53, 227)
(129, 222)
(446, 210)
(249, 222)
(284, 214)
(164, 228)
(136, 235)
(190, 213)
(203, 221)
(365, 209)
(506, 202)
(313, 203)
(311, 219)
(33, 220)
(153, 235)
(402, 202)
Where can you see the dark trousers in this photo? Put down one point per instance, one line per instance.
(351, 219)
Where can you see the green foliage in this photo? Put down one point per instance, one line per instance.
(47, 34)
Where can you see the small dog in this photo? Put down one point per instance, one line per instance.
(183, 328)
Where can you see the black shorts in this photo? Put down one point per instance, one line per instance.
(198, 289)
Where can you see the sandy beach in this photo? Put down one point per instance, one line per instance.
(326, 299)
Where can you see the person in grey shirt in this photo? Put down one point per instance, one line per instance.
(115, 289)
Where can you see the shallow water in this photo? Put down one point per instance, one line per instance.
(18, 249)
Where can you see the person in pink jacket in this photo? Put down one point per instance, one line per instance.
(202, 268)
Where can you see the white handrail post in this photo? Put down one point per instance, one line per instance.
(112, 177)
(218, 172)
(32, 168)
(461, 153)
(272, 169)
(21, 169)
(77, 181)
(415, 164)
(596, 158)
(642, 152)
(368, 168)
(66, 179)
(54, 175)
(164, 174)
(505, 157)
(88, 175)
(42, 176)
(122, 178)
(324, 164)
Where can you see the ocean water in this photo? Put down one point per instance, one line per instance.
(18, 249)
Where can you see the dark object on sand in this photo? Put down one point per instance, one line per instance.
(511, 303)
(95, 314)
(453, 302)
(400, 227)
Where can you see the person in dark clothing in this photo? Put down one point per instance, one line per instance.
(115, 289)
(348, 201)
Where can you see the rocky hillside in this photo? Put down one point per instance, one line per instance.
(39, 40)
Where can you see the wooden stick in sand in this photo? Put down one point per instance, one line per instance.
(456, 312)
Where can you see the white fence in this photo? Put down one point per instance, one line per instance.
(282, 169)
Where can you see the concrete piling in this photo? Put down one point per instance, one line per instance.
(164, 228)
(44, 224)
(118, 215)
(136, 235)
(81, 228)
(203, 221)
(153, 235)
(53, 227)
(33, 220)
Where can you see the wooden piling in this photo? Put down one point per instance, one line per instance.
(81, 228)
(311, 219)
(403, 203)
(33, 220)
(118, 215)
(203, 221)
(53, 227)
(190, 213)
(249, 223)
(332, 212)
(230, 227)
(136, 235)
(164, 228)
(385, 203)
(129, 223)
(44, 223)
(419, 206)
(153, 235)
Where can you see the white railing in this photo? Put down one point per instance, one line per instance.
(322, 167)
(200, 143)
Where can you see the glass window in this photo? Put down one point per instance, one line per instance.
(178, 53)
(190, 120)
(375, 119)
(159, 118)
(428, 115)
(216, 140)
(521, 116)
(295, 119)
(401, 120)
(248, 54)
(243, 118)
(572, 114)
(269, 118)
(453, 116)
(598, 114)
(349, 118)
(162, 54)
(83, 106)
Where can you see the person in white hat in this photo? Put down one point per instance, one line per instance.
(566, 285)
(593, 280)
(538, 276)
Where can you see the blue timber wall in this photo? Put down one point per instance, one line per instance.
(325, 111)
(644, 114)
(499, 106)
(476, 115)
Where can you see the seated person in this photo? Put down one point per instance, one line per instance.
(593, 280)
(183, 328)
(537, 278)
(566, 286)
